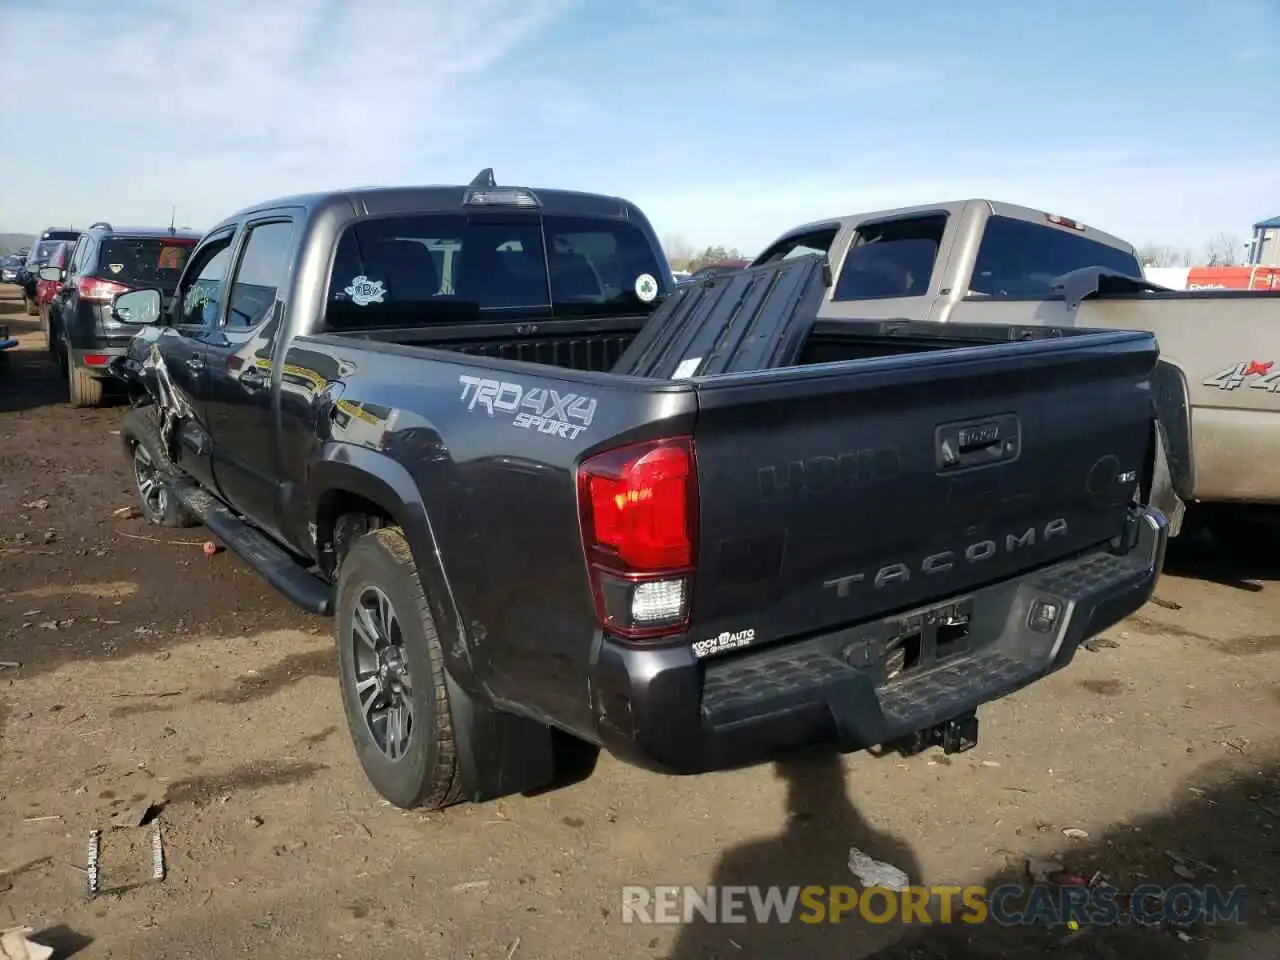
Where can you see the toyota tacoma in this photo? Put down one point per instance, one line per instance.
(552, 500)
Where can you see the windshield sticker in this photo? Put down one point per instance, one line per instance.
(364, 291)
(563, 415)
(646, 288)
(115, 267)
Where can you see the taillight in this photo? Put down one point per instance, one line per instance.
(639, 511)
(98, 290)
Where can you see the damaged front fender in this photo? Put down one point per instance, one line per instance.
(137, 369)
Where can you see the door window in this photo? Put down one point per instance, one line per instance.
(891, 259)
(261, 273)
(201, 290)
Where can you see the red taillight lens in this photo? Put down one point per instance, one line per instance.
(95, 359)
(98, 290)
(639, 506)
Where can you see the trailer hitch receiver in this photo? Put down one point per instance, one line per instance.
(954, 736)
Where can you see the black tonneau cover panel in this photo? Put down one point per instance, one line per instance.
(752, 319)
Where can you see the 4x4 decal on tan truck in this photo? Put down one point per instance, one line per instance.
(1229, 378)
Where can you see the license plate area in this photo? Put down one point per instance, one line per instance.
(916, 642)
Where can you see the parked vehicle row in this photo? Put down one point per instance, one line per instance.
(11, 267)
(37, 257)
(551, 498)
(75, 288)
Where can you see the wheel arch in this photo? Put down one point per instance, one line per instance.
(499, 752)
(358, 481)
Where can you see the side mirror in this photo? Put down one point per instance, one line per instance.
(137, 306)
(52, 274)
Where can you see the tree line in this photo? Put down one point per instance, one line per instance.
(1223, 250)
(682, 255)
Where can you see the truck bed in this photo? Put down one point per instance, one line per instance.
(759, 318)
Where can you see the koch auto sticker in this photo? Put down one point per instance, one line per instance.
(364, 291)
(646, 288)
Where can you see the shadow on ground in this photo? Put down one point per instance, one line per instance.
(29, 379)
(1220, 547)
(1226, 817)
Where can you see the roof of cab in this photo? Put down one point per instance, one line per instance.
(438, 198)
(178, 233)
(997, 207)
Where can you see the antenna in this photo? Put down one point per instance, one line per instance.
(173, 218)
(484, 179)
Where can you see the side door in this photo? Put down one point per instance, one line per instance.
(180, 352)
(241, 403)
(57, 303)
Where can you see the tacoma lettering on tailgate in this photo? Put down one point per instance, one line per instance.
(945, 560)
(536, 408)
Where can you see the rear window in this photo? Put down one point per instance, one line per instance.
(143, 261)
(891, 259)
(61, 235)
(43, 251)
(400, 271)
(1018, 258)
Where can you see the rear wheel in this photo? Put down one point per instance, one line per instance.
(392, 675)
(153, 472)
(33, 309)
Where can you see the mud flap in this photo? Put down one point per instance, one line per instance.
(499, 753)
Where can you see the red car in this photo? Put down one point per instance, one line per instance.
(45, 289)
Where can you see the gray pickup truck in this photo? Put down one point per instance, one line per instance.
(549, 498)
(990, 262)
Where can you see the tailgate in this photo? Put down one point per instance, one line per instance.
(832, 494)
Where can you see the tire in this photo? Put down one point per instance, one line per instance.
(423, 772)
(142, 444)
(33, 308)
(85, 390)
(50, 335)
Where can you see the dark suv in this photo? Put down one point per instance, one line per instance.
(37, 258)
(83, 334)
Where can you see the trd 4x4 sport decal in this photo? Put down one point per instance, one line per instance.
(547, 411)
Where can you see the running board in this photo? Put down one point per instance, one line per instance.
(280, 569)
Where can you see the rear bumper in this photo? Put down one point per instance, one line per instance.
(97, 360)
(665, 710)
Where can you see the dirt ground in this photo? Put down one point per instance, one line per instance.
(136, 669)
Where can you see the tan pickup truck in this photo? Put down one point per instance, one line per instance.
(982, 261)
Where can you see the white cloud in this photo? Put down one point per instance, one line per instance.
(213, 105)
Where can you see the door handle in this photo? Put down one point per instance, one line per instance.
(195, 364)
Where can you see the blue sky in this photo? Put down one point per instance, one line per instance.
(728, 121)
